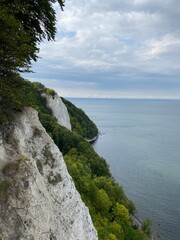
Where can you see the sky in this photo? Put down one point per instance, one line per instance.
(113, 49)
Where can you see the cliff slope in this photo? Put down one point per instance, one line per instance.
(59, 110)
(38, 199)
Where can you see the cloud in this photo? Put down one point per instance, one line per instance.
(106, 46)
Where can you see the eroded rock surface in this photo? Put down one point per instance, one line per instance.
(59, 110)
(38, 199)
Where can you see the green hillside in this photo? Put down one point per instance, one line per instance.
(80, 122)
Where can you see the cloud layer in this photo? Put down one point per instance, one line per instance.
(114, 49)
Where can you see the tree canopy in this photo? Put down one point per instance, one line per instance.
(80, 122)
(24, 24)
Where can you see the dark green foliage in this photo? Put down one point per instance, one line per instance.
(64, 139)
(133, 234)
(10, 98)
(16, 93)
(50, 92)
(147, 227)
(17, 47)
(23, 25)
(39, 86)
(81, 124)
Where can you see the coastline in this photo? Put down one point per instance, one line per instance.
(138, 223)
(92, 140)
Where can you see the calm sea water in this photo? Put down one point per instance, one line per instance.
(140, 140)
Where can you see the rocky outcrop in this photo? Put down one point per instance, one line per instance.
(59, 110)
(38, 199)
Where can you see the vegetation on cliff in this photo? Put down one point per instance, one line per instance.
(80, 122)
(109, 207)
(24, 24)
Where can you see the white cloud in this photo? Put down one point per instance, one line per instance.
(166, 44)
(116, 42)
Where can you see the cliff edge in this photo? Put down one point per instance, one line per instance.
(59, 110)
(38, 199)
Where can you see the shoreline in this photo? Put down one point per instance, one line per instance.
(92, 140)
(137, 222)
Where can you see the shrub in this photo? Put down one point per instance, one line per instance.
(50, 92)
(147, 227)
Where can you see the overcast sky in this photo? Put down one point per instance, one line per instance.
(114, 48)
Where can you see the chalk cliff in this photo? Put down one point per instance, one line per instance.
(38, 199)
(59, 110)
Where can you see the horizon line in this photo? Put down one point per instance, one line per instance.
(125, 98)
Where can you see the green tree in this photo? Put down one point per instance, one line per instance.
(16, 46)
(147, 227)
(121, 213)
(23, 25)
(102, 202)
(81, 124)
(111, 237)
(117, 230)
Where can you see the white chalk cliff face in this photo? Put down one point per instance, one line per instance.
(38, 199)
(59, 110)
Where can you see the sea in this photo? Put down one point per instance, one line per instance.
(140, 140)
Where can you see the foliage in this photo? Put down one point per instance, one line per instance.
(9, 96)
(38, 86)
(80, 122)
(17, 46)
(147, 227)
(50, 92)
(121, 213)
(23, 25)
(108, 205)
(15, 93)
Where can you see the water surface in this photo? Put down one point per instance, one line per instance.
(140, 140)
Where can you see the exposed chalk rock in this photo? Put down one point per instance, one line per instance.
(39, 199)
(59, 110)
